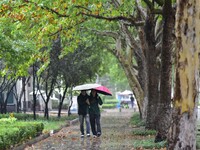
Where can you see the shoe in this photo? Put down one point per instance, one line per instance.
(94, 136)
(82, 136)
(88, 135)
(98, 134)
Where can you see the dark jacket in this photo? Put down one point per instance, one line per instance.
(94, 104)
(82, 105)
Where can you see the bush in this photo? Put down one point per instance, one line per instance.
(19, 116)
(16, 132)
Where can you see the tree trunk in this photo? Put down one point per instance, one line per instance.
(164, 105)
(61, 99)
(182, 133)
(143, 70)
(46, 111)
(153, 72)
(34, 95)
(132, 79)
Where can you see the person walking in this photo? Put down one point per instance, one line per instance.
(94, 112)
(83, 112)
(132, 101)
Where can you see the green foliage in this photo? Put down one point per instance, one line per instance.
(36, 23)
(19, 116)
(8, 120)
(15, 50)
(117, 75)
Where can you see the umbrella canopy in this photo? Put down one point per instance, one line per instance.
(126, 92)
(103, 90)
(88, 86)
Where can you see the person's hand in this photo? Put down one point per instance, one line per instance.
(87, 101)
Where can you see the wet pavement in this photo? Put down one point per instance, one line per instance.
(116, 135)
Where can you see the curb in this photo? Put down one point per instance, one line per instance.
(72, 122)
(43, 136)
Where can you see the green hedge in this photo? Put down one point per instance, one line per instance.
(18, 132)
(111, 101)
(19, 116)
(109, 106)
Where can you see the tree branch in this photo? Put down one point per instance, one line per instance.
(78, 6)
(140, 10)
(117, 18)
(107, 33)
(47, 8)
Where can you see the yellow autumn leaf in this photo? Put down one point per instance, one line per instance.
(99, 5)
(65, 5)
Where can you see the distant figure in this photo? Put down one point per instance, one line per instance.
(132, 101)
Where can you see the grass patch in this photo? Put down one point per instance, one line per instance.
(149, 144)
(198, 135)
(136, 121)
(55, 123)
(144, 132)
(146, 137)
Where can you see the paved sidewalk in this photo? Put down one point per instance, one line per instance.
(116, 135)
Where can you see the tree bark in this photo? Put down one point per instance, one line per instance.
(182, 133)
(153, 72)
(164, 106)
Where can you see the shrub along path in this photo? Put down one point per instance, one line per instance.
(116, 135)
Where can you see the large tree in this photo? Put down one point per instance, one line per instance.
(183, 130)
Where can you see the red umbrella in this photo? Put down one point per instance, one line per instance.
(103, 90)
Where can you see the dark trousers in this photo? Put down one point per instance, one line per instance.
(95, 124)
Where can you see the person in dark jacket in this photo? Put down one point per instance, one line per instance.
(94, 112)
(132, 101)
(83, 112)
